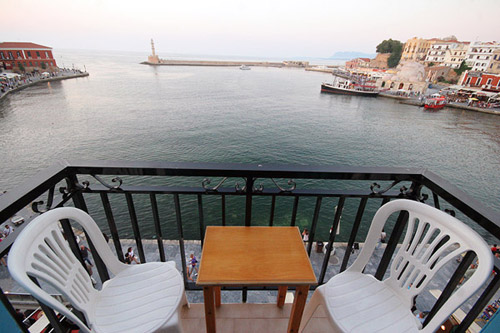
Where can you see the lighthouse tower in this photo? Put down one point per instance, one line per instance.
(153, 58)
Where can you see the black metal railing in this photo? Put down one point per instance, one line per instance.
(169, 194)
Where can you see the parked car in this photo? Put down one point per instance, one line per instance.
(17, 220)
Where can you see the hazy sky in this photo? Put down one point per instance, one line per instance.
(313, 28)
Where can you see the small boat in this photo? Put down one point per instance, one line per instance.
(244, 68)
(435, 103)
(348, 87)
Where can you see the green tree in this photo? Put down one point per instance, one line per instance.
(394, 47)
(463, 67)
(21, 67)
(43, 65)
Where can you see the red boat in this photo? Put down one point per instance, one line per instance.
(436, 103)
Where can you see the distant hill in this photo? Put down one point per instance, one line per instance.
(351, 55)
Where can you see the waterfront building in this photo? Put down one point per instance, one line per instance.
(30, 56)
(380, 61)
(440, 73)
(480, 80)
(480, 54)
(410, 78)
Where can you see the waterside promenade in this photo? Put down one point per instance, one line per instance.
(17, 84)
(217, 63)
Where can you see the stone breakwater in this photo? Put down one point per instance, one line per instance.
(22, 86)
(218, 63)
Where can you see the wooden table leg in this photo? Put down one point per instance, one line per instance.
(208, 295)
(282, 295)
(298, 308)
(217, 296)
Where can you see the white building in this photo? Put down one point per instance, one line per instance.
(480, 54)
(455, 54)
(437, 52)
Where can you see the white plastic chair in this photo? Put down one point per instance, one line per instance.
(357, 302)
(138, 298)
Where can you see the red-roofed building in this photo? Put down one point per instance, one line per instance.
(31, 56)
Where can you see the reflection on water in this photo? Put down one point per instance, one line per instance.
(128, 111)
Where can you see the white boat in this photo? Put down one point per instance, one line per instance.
(244, 67)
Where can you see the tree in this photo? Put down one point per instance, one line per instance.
(43, 65)
(463, 67)
(21, 67)
(394, 47)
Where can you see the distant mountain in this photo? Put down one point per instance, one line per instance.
(351, 55)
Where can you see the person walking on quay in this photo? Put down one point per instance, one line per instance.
(84, 251)
(192, 262)
(305, 235)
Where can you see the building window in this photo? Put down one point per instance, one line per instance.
(1, 55)
(489, 81)
(401, 85)
(383, 84)
(10, 55)
(468, 80)
(18, 54)
(29, 54)
(392, 85)
(31, 65)
(38, 54)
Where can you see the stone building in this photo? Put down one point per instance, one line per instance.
(415, 49)
(410, 78)
(456, 54)
(357, 63)
(380, 61)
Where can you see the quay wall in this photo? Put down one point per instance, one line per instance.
(57, 78)
(215, 63)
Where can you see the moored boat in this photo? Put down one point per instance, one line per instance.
(244, 67)
(347, 87)
(435, 103)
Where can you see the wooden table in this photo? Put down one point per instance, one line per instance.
(255, 256)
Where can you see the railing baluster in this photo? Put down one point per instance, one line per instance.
(436, 200)
(248, 201)
(112, 226)
(481, 303)
(223, 203)
(396, 233)
(354, 232)
(8, 306)
(201, 219)
(181, 238)
(156, 218)
(135, 226)
(313, 225)
(273, 206)
(331, 240)
(452, 285)
(294, 211)
(79, 202)
(51, 315)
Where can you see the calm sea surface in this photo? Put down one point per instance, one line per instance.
(128, 111)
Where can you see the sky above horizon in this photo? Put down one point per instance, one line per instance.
(316, 28)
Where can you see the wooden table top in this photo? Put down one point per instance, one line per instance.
(236, 256)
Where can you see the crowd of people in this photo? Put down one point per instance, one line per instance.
(13, 81)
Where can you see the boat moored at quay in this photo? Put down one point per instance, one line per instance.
(348, 87)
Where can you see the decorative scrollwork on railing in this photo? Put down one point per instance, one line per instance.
(50, 199)
(240, 189)
(290, 182)
(207, 181)
(259, 189)
(100, 180)
(375, 186)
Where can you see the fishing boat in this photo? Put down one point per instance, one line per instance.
(435, 103)
(244, 68)
(348, 87)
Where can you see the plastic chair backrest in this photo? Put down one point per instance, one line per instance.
(432, 239)
(42, 252)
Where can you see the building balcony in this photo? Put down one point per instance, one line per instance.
(162, 209)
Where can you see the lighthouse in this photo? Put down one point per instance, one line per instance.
(153, 58)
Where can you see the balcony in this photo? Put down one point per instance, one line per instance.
(162, 209)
